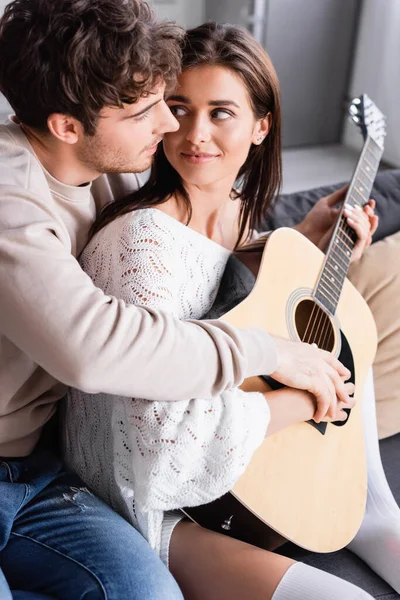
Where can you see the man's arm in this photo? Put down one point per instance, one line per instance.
(50, 309)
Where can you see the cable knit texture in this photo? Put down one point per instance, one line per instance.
(144, 457)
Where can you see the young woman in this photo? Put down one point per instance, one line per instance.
(166, 246)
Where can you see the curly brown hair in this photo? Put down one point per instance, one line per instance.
(78, 56)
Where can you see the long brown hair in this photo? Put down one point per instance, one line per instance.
(261, 175)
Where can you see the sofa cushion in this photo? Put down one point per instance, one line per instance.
(292, 208)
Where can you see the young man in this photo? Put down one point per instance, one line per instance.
(86, 80)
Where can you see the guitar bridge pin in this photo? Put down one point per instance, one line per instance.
(227, 524)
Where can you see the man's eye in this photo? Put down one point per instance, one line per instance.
(178, 111)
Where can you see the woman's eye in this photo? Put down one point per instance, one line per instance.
(221, 114)
(178, 111)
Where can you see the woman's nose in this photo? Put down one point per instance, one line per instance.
(198, 132)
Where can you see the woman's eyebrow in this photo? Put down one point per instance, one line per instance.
(186, 100)
(223, 103)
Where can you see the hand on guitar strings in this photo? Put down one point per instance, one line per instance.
(306, 367)
(318, 225)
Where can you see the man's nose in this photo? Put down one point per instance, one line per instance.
(168, 122)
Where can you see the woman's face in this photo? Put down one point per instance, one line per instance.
(216, 126)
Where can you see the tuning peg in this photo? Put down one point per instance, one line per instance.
(353, 109)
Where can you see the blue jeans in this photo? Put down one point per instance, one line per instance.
(57, 540)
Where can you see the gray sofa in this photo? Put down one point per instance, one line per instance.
(287, 212)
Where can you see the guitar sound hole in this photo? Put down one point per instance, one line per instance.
(314, 325)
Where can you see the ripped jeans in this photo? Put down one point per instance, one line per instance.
(57, 540)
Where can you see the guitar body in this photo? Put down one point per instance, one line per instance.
(308, 485)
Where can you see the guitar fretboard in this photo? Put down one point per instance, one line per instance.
(344, 238)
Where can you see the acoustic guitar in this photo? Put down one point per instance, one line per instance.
(308, 482)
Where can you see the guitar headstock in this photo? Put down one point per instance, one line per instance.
(367, 116)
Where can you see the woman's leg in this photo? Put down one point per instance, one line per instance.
(378, 540)
(213, 566)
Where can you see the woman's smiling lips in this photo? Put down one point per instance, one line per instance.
(198, 158)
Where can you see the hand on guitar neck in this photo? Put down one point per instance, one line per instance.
(319, 223)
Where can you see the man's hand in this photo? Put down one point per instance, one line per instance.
(318, 225)
(306, 367)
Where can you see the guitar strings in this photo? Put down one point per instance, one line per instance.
(318, 329)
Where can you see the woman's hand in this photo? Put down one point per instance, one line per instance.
(364, 222)
(318, 225)
(306, 367)
(336, 411)
(289, 406)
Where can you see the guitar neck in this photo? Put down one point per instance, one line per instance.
(338, 256)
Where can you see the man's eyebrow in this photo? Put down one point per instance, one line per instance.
(186, 100)
(141, 112)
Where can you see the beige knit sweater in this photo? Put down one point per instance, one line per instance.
(58, 329)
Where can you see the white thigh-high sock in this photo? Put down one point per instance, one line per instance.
(378, 539)
(302, 582)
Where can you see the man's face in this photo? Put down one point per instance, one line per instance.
(126, 139)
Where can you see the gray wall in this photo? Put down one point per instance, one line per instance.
(377, 71)
(188, 13)
(310, 43)
(235, 12)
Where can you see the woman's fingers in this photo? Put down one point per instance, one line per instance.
(364, 222)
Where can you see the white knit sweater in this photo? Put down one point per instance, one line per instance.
(145, 457)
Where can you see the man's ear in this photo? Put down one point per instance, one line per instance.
(261, 129)
(64, 128)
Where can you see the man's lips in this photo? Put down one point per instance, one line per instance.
(153, 148)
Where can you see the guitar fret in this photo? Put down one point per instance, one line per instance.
(332, 285)
(326, 303)
(374, 150)
(331, 293)
(335, 267)
(363, 177)
(361, 196)
(338, 240)
(343, 256)
(366, 170)
(326, 295)
(371, 155)
(373, 169)
(344, 265)
(340, 277)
